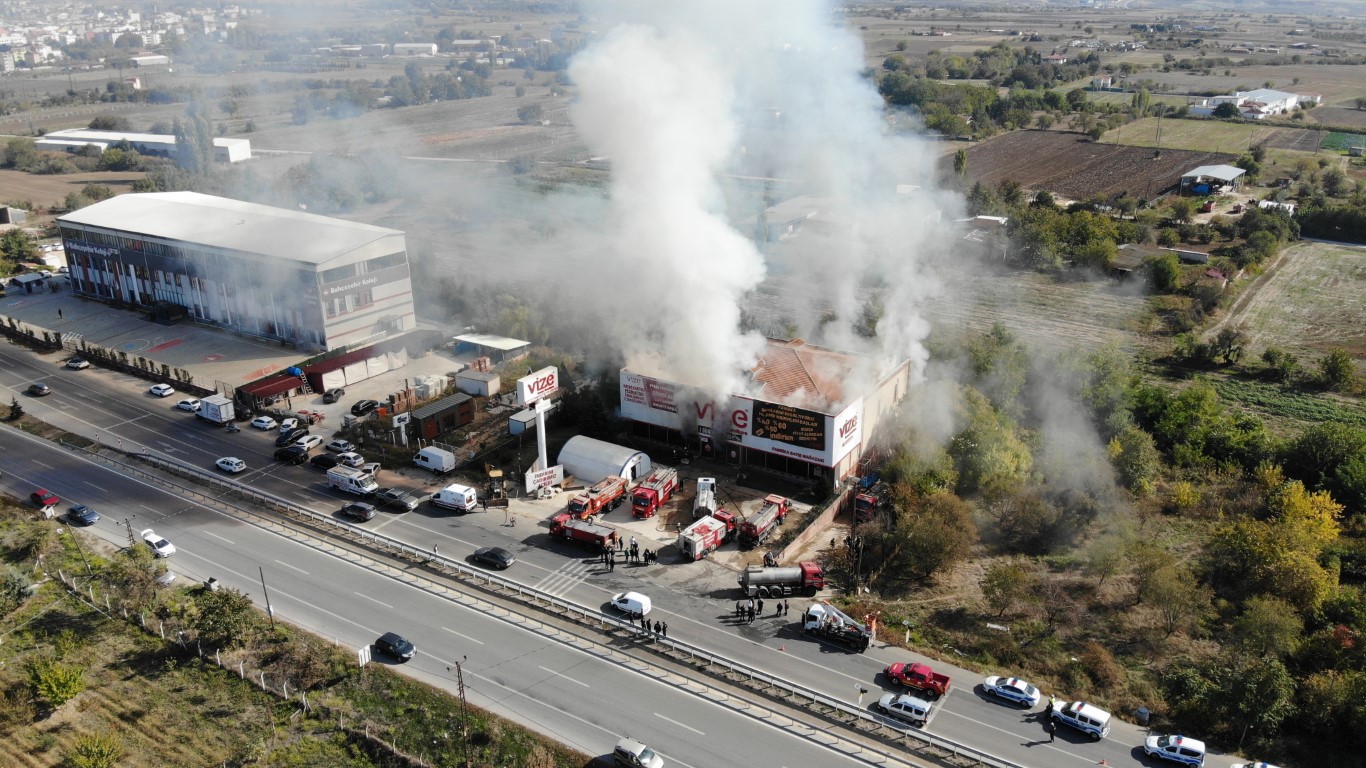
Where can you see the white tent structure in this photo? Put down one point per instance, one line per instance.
(591, 460)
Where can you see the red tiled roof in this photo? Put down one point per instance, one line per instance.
(795, 368)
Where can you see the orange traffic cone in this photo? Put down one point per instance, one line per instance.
(1102, 762)
(782, 647)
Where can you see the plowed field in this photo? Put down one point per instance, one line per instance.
(1071, 166)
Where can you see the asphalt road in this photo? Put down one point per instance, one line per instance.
(576, 696)
(696, 599)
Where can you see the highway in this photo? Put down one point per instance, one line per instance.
(696, 599)
(577, 697)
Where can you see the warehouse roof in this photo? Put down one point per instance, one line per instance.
(440, 406)
(789, 368)
(1220, 172)
(233, 225)
(493, 342)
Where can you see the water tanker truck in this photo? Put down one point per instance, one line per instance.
(804, 578)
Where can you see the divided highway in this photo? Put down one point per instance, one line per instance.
(508, 664)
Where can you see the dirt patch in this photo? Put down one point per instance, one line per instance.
(1354, 118)
(46, 191)
(1074, 167)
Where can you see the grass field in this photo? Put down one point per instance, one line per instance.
(1211, 135)
(1313, 301)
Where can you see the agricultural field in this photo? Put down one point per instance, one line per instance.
(1312, 300)
(1337, 116)
(1213, 135)
(1073, 167)
(18, 187)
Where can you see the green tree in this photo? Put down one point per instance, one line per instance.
(1007, 585)
(1336, 370)
(1164, 271)
(1227, 345)
(960, 163)
(16, 245)
(988, 453)
(95, 750)
(1226, 110)
(1268, 626)
(1260, 246)
(1280, 365)
(1136, 459)
(1182, 603)
(1231, 692)
(529, 113)
(14, 589)
(223, 618)
(54, 682)
(1168, 238)
(110, 123)
(1105, 556)
(1183, 209)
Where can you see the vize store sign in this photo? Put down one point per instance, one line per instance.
(538, 385)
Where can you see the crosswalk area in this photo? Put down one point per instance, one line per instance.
(566, 576)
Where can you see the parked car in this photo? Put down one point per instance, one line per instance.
(190, 404)
(288, 424)
(309, 442)
(333, 395)
(370, 468)
(1178, 749)
(291, 454)
(494, 557)
(358, 511)
(340, 446)
(231, 464)
(1013, 689)
(1252, 765)
(905, 707)
(264, 422)
(82, 515)
(400, 499)
(290, 438)
(351, 459)
(44, 498)
(364, 407)
(39, 389)
(162, 390)
(632, 604)
(160, 546)
(78, 363)
(395, 645)
(1087, 718)
(323, 461)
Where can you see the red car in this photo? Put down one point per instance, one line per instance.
(44, 498)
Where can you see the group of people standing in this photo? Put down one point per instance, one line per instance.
(755, 608)
(631, 554)
(660, 628)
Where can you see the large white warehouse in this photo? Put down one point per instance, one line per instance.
(317, 281)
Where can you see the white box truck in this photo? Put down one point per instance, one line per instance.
(437, 460)
(352, 481)
(458, 497)
(217, 409)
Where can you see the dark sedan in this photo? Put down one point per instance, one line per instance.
(494, 557)
(292, 454)
(333, 395)
(364, 407)
(38, 389)
(324, 461)
(290, 437)
(395, 645)
(82, 515)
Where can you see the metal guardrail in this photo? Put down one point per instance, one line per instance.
(849, 713)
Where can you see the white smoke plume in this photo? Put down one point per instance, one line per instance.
(679, 96)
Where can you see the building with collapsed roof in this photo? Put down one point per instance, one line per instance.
(806, 415)
(318, 282)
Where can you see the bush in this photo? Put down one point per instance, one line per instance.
(54, 682)
(95, 750)
(14, 590)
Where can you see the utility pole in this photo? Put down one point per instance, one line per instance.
(270, 611)
(464, 711)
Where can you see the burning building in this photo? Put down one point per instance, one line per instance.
(809, 411)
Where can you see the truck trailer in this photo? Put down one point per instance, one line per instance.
(759, 525)
(652, 493)
(605, 494)
(705, 502)
(352, 481)
(216, 409)
(827, 621)
(803, 578)
(706, 535)
(564, 526)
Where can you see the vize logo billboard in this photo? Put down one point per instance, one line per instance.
(538, 385)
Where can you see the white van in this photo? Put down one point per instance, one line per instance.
(1087, 718)
(437, 460)
(630, 753)
(457, 497)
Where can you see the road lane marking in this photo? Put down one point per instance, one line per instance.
(295, 567)
(467, 637)
(566, 677)
(680, 725)
(220, 538)
(41, 464)
(96, 487)
(373, 600)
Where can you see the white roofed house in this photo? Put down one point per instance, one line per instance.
(1208, 179)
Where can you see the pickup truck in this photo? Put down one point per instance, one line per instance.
(915, 675)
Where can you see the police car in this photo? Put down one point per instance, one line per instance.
(1013, 689)
(1178, 749)
(1087, 718)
